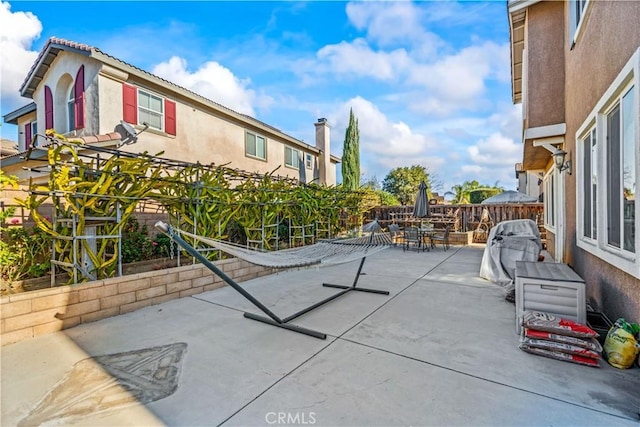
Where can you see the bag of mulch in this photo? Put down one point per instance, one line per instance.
(580, 360)
(561, 347)
(590, 343)
(549, 323)
(621, 346)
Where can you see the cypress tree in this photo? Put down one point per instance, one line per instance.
(351, 155)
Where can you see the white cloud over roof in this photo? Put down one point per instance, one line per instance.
(211, 80)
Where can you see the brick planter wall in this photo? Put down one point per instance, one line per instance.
(35, 313)
(461, 238)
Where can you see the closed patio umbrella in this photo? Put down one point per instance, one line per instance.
(421, 208)
(510, 196)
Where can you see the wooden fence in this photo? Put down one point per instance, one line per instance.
(467, 216)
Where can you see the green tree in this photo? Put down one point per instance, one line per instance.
(351, 155)
(473, 192)
(371, 183)
(478, 195)
(403, 183)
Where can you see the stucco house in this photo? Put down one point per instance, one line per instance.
(575, 68)
(80, 91)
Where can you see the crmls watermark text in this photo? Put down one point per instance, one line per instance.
(285, 418)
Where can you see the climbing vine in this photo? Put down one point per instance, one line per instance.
(94, 194)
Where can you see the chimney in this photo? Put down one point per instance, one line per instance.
(323, 143)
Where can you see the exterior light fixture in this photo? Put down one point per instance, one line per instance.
(558, 159)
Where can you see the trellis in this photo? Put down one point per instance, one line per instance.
(95, 190)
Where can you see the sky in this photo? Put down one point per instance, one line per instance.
(428, 81)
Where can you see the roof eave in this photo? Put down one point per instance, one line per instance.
(44, 60)
(517, 21)
(12, 117)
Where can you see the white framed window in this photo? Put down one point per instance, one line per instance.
(71, 109)
(577, 13)
(291, 157)
(588, 180)
(150, 110)
(620, 164)
(549, 183)
(255, 146)
(308, 161)
(613, 147)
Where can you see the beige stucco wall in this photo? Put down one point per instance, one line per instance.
(202, 134)
(22, 121)
(607, 41)
(545, 65)
(66, 66)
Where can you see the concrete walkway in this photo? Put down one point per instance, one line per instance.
(441, 349)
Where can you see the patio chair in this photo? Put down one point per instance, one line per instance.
(442, 237)
(411, 237)
(395, 233)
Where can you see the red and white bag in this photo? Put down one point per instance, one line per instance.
(561, 347)
(587, 361)
(590, 343)
(549, 323)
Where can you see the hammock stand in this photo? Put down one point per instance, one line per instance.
(272, 318)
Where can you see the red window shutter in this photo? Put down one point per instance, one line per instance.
(79, 98)
(130, 104)
(27, 136)
(48, 108)
(169, 117)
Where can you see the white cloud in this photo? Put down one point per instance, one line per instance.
(458, 80)
(384, 144)
(214, 81)
(17, 32)
(389, 23)
(495, 150)
(358, 59)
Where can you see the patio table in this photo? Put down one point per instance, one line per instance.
(424, 234)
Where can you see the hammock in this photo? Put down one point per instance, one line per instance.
(333, 251)
(328, 252)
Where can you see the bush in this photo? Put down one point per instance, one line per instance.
(477, 196)
(24, 253)
(162, 245)
(136, 244)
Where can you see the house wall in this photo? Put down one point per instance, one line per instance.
(22, 121)
(528, 182)
(605, 44)
(545, 65)
(202, 134)
(66, 65)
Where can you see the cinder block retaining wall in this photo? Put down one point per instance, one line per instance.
(35, 313)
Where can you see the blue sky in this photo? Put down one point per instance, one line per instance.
(429, 81)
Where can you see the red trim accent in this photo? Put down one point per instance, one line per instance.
(48, 108)
(28, 138)
(170, 117)
(79, 98)
(130, 104)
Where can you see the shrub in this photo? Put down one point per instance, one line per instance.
(136, 244)
(24, 253)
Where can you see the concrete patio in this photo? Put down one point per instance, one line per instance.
(441, 349)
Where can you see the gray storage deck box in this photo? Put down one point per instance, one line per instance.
(552, 288)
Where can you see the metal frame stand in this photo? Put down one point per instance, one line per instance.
(272, 318)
